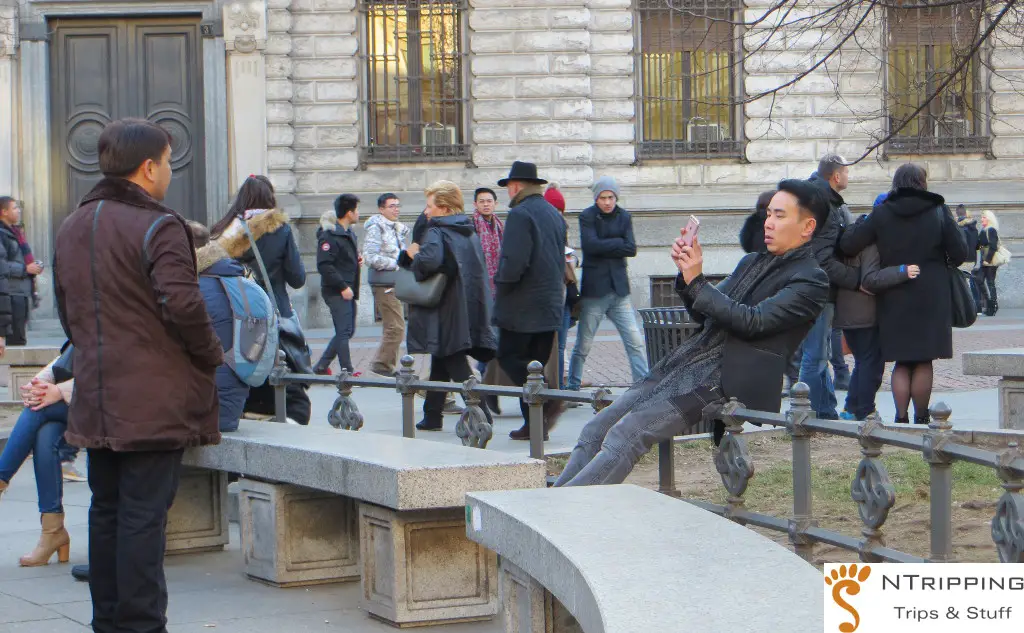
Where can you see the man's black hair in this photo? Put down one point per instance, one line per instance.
(344, 203)
(126, 144)
(382, 201)
(810, 198)
(5, 201)
(476, 194)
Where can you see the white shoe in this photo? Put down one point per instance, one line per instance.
(71, 473)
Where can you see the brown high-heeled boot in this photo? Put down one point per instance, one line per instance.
(53, 539)
(3, 486)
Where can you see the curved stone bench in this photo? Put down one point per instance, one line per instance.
(624, 559)
(320, 505)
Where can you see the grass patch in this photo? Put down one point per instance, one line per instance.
(771, 488)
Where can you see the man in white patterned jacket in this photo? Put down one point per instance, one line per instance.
(384, 237)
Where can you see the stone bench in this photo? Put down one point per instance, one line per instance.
(318, 505)
(624, 559)
(1008, 364)
(25, 363)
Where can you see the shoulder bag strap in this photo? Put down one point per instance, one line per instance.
(263, 269)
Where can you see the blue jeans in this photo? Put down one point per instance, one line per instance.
(814, 366)
(868, 368)
(41, 433)
(563, 337)
(620, 311)
(837, 359)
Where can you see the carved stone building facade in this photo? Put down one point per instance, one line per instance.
(370, 96)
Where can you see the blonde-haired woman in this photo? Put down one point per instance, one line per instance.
(460, 325)
(988, 243)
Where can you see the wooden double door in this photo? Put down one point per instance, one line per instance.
(106, 69)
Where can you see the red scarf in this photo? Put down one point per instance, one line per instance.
(490, 239)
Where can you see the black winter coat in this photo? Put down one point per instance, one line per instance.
(461, 322)
(752, 233)
(969, 226)
(530, 282)
(913, 227)
(826, 239)
(765, 326)
(337, 260)
(988, 243)
(607, 240)
(231, 391)
(280, 255)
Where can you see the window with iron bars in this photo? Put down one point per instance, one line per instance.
(415, 88)
(924, 48)
(688, 68)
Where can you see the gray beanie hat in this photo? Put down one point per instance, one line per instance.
(605, 183)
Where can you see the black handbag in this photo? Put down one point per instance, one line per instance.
(62, 367)
(426, 293)
(964, 309)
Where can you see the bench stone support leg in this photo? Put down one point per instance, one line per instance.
(419, 568)
(529, 608)
(293, 536)
(198, 519)
(1011, 403)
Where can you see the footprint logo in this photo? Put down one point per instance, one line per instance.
(848, 580)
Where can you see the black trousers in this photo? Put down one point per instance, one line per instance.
(442, 369)
(19, 318)
(343, 313)
(516, 350)
(131, 494)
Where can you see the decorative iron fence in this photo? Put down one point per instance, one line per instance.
(473, 428)
(871, 488)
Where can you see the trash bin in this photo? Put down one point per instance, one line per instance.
(665, 329)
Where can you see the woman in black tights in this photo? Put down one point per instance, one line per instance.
(913, 226)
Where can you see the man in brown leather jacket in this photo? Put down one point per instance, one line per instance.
(145, 356)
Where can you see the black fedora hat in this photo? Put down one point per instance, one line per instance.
(526, 172)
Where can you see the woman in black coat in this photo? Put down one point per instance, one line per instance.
(988, 243)
(460, 325)
(913, 226)
(257, 204)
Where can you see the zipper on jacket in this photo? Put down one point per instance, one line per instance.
(96, 308)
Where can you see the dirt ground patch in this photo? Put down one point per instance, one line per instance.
(975, 492)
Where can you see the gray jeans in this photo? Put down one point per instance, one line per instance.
(613, 442)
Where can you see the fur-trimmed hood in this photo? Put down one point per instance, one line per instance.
(233, 243)
(328, 220)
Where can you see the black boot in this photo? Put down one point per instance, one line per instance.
(903, 420)
(922, 419)
(429, 425)
(80, 573)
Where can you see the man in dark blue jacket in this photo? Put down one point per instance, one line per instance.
(606, 235)
(338, 261)
(530, 284)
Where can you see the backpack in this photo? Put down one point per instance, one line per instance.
(254, 333)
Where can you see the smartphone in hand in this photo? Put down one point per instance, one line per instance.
(689, 232)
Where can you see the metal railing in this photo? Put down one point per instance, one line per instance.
(473, 427)
(871, 488)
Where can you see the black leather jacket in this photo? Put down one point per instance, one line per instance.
(765, 327)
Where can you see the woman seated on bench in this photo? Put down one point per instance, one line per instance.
(40, 431)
